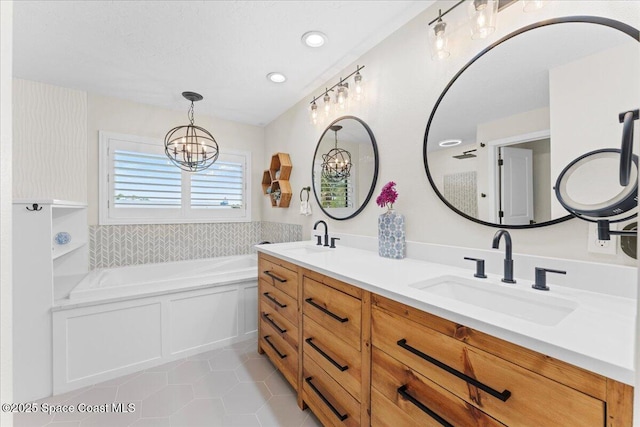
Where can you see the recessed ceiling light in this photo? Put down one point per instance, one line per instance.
(450, 142)
(277, 77)
(314, 38)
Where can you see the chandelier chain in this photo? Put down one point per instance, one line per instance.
(190, 115)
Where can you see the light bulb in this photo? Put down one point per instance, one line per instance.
(341, 96)
(357, 80)
(327, 104)
(482, 14)
(438, 40)
(314, 112)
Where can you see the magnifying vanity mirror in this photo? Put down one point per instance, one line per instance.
(345, 168)
(509, 122)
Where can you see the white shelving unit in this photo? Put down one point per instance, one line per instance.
(43, 271)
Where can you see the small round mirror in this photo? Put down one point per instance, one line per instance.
(345, 168)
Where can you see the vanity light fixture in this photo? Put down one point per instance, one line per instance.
(342, 93)
(450, 142)
(357, 82)
(314, 39)
(276, 77)
(327, 103)
(438, 39)
(191, 147)
(482, 15)
(482, 22)
(314, 113)
(336, 164)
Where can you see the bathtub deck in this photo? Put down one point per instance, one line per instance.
(232, 386)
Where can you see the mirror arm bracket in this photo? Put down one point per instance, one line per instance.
(604, 233)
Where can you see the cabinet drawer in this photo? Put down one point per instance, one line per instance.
(271, 319)
(325, 396)
(282, 278)
(280, 353)
(341, 361)
(505, 391)
(427, 401)
(333, 309)
(279, 301)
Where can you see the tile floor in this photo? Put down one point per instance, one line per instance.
(233, 386)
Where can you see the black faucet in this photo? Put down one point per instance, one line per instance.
(508, 260)
(326, 232)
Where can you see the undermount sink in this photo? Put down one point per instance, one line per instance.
(543, 309)
(306, 250)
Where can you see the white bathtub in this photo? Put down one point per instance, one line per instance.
(137, 280)
(121, 320)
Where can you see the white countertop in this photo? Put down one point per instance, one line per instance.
(598, 335)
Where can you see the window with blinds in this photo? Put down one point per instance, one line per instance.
(143, 180)
(219, 187)
(336, 194)
(139, 184)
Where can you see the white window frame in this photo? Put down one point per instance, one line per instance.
(107, 215)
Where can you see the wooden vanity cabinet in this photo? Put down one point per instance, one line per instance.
(468, 378)
(279, 316)
(359, 359)
(336, 350)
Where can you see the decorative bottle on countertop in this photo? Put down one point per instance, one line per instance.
(391, 230)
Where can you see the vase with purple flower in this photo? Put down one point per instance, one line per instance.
(391, 230)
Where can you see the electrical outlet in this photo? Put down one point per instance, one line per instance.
(596, 246)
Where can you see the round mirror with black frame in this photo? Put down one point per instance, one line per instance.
(345, 168)
(515, 115)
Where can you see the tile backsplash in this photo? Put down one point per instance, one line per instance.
(119, 245)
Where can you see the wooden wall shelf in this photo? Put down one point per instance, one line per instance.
(275, 180)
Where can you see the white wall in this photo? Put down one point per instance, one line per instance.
(121, 116)
(50, 135)
(403, 85)
(6, 282)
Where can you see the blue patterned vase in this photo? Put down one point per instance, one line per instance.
(391, 235)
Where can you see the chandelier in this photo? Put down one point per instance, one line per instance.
(336, 164)
(191, 147)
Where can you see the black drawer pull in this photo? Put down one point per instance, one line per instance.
(502, 396)
(273, 276)
(273, 300)
(324, 310)
(325, 355)
(266, 317)
(324, 399)
(266, 338)
(403, 392)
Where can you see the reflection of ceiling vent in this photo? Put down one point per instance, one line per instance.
(466, 154)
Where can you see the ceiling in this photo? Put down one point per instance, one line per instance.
(152, 51)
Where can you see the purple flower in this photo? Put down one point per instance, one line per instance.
(388, 195)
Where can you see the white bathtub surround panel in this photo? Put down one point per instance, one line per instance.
(120, 245)
(278, 232)
(609, 279)
(98, 341)
(205, 318)
(93, 348)
(597, 335)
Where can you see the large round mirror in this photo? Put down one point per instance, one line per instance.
(510, 121)
(345, 168)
